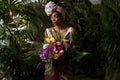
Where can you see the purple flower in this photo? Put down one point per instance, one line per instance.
(45, 53)
(66, 46)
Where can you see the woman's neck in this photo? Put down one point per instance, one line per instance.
(60, 26)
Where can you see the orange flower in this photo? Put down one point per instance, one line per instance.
(56, 56)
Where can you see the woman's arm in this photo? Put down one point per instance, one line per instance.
(72, 46)
(73, 32)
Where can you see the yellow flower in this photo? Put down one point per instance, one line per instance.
(61, 51)
(52, 39)
(47, 40)
(65, 40)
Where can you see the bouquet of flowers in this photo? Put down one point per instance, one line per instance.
(52, 49)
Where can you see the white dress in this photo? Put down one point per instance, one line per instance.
(62, 66)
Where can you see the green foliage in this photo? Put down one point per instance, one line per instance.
(110, 16)
(21, 41)
(101, 36)
(98, 37)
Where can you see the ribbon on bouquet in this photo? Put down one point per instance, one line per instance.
(56, 74)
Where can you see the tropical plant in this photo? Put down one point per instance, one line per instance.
(19, 58)
(101, 37)
(22, 29)
(110, 17)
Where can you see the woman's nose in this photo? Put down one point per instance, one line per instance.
(53, 19)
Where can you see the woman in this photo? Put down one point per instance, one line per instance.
(62, 66)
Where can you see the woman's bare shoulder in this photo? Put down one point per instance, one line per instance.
(73, 30)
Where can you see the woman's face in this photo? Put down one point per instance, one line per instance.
(56, 18)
